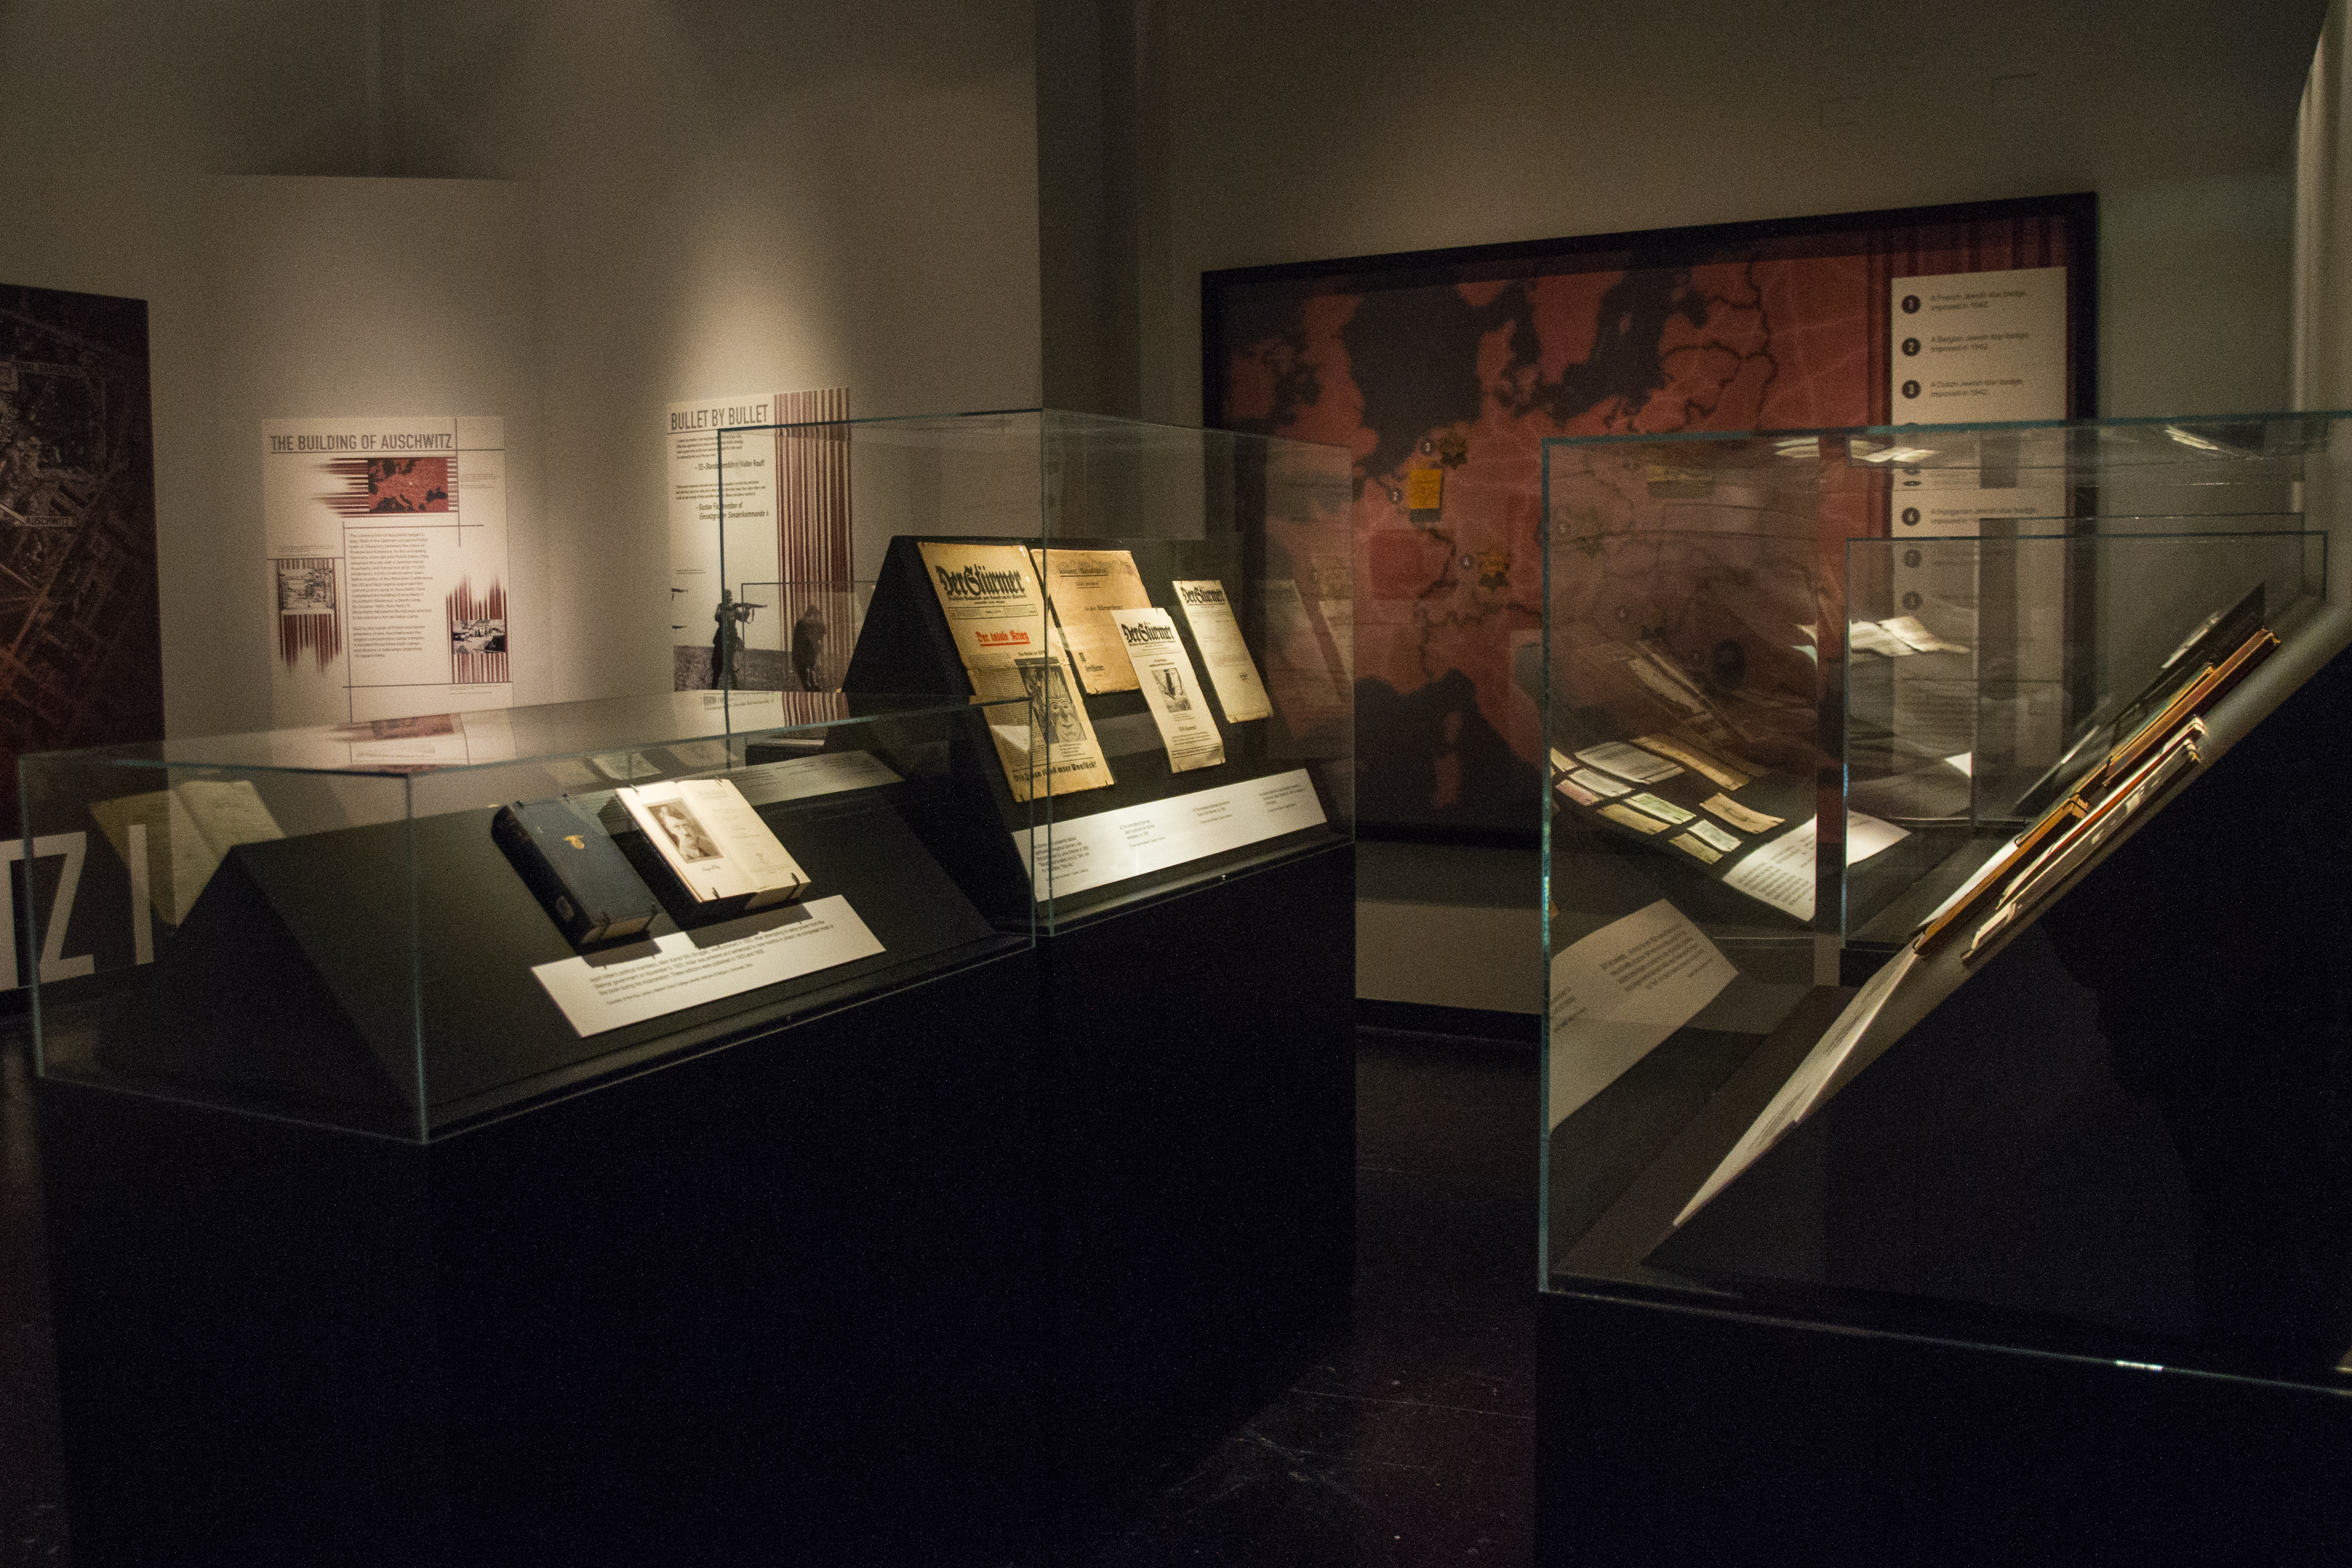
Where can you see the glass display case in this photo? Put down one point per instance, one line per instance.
(410, 926)
(1194, 671)
(1841, 722)
(895, 911)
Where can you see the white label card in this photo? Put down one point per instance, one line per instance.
(1112, 846)
(1782, 873)
(1970, 347)
(1618, 992)
(1803, 1088)
(813, 936)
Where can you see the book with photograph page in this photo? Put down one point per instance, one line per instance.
(715, 843)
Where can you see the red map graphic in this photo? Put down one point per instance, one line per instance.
(395, 484)
(1470, 379)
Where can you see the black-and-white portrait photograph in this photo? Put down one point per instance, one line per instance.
(693, 843)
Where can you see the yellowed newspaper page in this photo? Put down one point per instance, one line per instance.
(1088, 587)
(179, 861)
(1210, 614)
(996, 613)
(1313, 696)
(1178, 705)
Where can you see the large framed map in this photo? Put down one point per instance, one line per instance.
(1444, 370)
(78, 613)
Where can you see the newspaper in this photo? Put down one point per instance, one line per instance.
(1218, 635)
(996, 612)
(1170, 688)
(1086, 587)
(186, 831)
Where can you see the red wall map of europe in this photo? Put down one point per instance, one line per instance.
(1439, 369)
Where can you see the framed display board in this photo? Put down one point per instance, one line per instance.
(78, 583)
(1444, 370)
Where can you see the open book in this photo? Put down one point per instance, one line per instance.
(715, 843)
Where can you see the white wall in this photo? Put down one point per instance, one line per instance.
(1318, 129)
(716, 196)
(2322, 304)
(651, 203)
(740, 197)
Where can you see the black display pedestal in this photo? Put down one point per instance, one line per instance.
(1668, 1433)
(743, 1301)
(903, 1283)
(1201, 1106)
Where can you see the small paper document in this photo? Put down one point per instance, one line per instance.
(1297, 663)
(1629, 762)
(1618, 992)
(716, 843)
(1714, 768)
(1086, 587)
(598, 997)
(996, 612)
(1178, 705)
(1210, 614)
(1782, 873)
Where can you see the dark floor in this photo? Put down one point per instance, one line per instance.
(1410, 1440)
(32, 1487)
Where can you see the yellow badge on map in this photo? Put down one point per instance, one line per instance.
(1424, 488)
